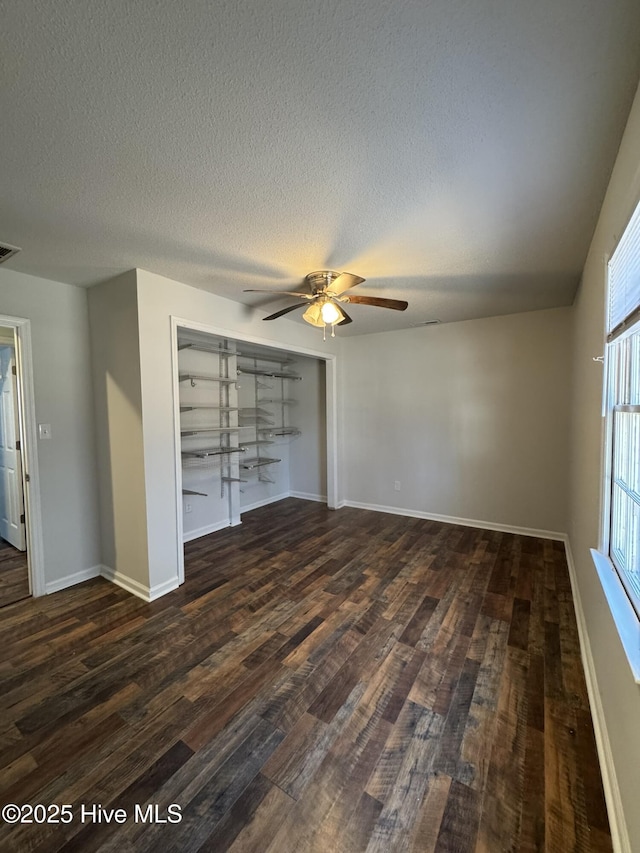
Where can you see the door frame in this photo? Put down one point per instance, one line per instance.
(29, 450)
(331, 392)
(16, 528)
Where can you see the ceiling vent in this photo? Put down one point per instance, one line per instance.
(425, 323)
(7, 251)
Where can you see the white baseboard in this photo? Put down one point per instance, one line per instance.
(136, 588)
(72, 580)
(264, 502)
(617, 823)
(464, 522)
(161, 589)
(305, 496)
(187, 536)
(222, 525)
(132, 586)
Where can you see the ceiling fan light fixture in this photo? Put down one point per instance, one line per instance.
(313, 315)
(331, 314)
(323, 313)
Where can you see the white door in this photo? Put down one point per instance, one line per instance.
(12, 528)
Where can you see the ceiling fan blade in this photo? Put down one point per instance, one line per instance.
(344, 282)
(281, 293)
(347, 318)
(380, 302)
(284, 311)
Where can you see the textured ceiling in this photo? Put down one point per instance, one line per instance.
(454, 153)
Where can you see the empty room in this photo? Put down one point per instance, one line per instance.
(320, 426)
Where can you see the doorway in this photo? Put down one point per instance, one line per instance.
(21, 540)
(15, 581)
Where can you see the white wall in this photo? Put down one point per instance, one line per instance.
(113, 313)
(619, 694)
(471, 418)
(158, 299)
(63, 398)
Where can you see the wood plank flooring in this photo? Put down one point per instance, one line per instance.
(327, 682)
(14, 574)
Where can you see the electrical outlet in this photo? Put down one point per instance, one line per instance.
(187, 507)
(396, 485)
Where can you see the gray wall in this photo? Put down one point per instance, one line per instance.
(471, 418)
(63, 398)
(619, 694)
(308, 452)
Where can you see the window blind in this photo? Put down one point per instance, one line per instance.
(624, 280)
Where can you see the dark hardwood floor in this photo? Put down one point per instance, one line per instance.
(14, 574)
(324, 681)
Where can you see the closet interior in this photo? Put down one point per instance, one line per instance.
(252, 428)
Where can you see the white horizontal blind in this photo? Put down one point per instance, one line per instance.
(624, 275)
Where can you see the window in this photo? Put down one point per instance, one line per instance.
(622, 531)
(624, 405)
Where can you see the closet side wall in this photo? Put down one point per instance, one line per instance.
(113, 317)
(308, 454)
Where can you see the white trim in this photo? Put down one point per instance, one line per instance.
(617, 824)
(464, 522)
(305, 496)
(72, 580)
(161, 589)
(606, 437)
(265, 502)
(135, 587)
(252, 339)
(205, 531)
(606, 464)
(331, 397)
(33, 508)
(624, 616)
(175, 390)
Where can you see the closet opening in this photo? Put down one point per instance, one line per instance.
(254, 424)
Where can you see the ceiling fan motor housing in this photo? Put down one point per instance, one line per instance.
(321, 280)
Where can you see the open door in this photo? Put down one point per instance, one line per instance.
(12, 527)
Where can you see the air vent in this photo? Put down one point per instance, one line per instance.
(425, 323)
(7, 251)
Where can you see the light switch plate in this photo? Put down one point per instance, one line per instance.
(44, 430)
